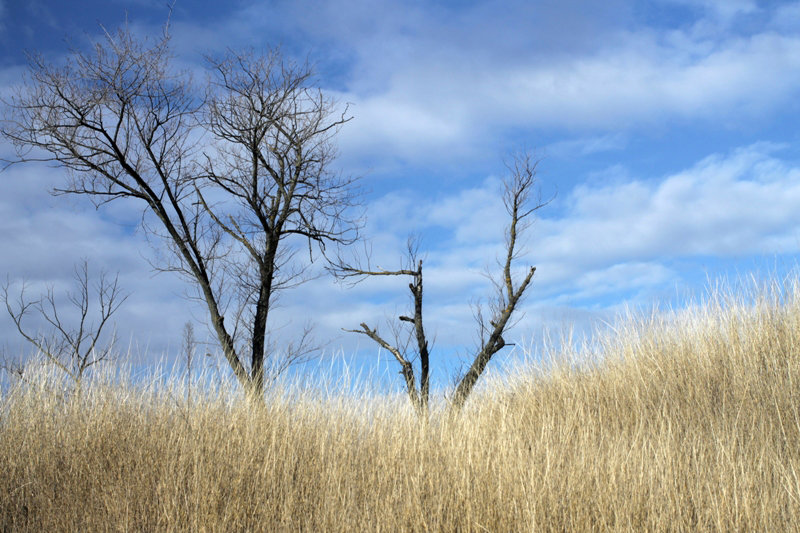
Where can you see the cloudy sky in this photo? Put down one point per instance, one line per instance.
(667, 132)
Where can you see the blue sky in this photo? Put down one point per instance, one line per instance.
(667, 130)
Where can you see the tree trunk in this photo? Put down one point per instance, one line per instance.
(267, 274)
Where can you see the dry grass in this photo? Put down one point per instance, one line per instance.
(688, 424)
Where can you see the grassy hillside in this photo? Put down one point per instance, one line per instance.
(689, 422)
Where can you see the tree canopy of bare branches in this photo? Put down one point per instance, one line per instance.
(233, 180)
(73, 344)
(520, 206)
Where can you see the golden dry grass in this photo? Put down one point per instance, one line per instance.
(687, 423)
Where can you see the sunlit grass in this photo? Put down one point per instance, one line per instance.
(688, 422)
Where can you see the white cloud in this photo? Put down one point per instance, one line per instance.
(451, 99)
(728, 206)
(475, 216)
(647, 82)
(619, 278)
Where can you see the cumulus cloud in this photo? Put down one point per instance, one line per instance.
(725, 205)
(418, 86)
(438, 103)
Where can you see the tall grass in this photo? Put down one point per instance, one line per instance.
(688, 422)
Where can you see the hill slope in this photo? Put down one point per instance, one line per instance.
(688, 422)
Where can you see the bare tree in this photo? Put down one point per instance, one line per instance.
(272, 160)
(74, 345)
(232, 181)
(419, 398)
(520, 207)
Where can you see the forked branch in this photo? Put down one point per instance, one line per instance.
(419, 398)
(517, 200)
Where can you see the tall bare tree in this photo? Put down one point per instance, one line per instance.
(233, 179)
(73, 341)
(520, 205)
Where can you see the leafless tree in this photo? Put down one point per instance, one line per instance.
(419, 397)
(520, 207)
(233, 180)
(72, 347)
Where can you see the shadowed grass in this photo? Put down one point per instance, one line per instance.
(688, 422)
